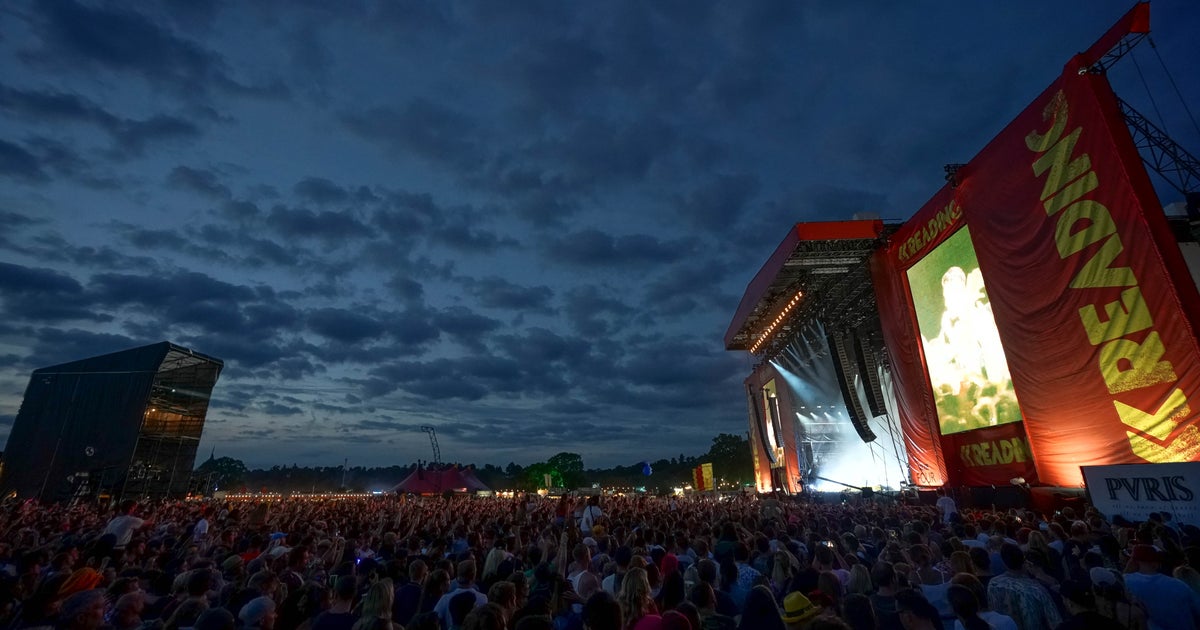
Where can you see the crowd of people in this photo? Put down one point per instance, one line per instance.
(611, 563)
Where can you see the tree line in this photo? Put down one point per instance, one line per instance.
(729, 454)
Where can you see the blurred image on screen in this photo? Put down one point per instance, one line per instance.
(967, 368)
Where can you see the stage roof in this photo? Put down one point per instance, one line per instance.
(826, 264)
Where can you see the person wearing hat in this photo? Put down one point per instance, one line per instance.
(1169, 602)
(798, 610)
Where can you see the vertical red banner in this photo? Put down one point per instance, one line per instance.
(915, 408)
(1082, 270)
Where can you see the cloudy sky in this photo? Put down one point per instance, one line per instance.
(525, 223)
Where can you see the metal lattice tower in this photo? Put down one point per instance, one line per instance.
(1162, 154)
(437, 452)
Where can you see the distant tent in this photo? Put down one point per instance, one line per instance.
(428, 481)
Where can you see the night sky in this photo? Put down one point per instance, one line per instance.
(525, 223)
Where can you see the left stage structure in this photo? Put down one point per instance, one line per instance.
(121, 425)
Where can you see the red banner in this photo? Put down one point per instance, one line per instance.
(1082, 271)
(1093, 306)
(989, 456)
(914, 402)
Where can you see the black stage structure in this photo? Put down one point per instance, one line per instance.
(124, 424)
(819, 387)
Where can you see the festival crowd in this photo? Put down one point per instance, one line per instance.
(617, 563)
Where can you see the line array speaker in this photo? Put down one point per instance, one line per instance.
(868, 369)
(845, 373)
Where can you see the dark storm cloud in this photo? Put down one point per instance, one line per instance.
(344, 325)
(181, 287)
(593, 311)
(413, 327)
(465, 326)
(538, 346)
(405, 287)
(259, 251)
(65, 162)
(844, 203)
(59, 345)
(52, 247)
(324, 225)
(75, 36)
(687, 285)
(557, 72)
(404, 217)
(432, 380)
(497, 292)
(151, 239)
(203, 182)
(37, 159)
(276, 409)
(690, 361)
(593, 247)
(14, 220)
(35, 294)
(17, 162)
(433, 131)
(719, 202)
(321, 191)
(598, 150)
(130, 137)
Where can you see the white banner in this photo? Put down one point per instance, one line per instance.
(1133, 491)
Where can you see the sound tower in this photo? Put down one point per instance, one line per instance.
(868, 370)
(845, 374)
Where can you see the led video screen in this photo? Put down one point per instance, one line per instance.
(969, 374)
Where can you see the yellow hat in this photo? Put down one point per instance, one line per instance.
(797, 608)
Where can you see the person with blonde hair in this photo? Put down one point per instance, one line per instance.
(960, 562)
(491, 565)
(784, 568)
(1188, 576)
(637, 604)
(377, 608)
(860, 580)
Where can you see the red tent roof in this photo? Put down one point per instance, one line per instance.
(453, 479)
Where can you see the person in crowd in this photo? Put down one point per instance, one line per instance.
(946, 505)
(602, 612)
(858, 613)
(637, 605)
(1018, 595)
(996, 620)
(1080, 605)
(916, 613)
(883, 601)
(127, 612)
(1169, 602)
(339, 615)
(761, 612)
(408, 595)
(83, 610)
(436, 586)
(124, 524)
(163, 579)
(215, 619)
(258, 614)
(703, 597)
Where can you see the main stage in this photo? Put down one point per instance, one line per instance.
(1036, 315)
